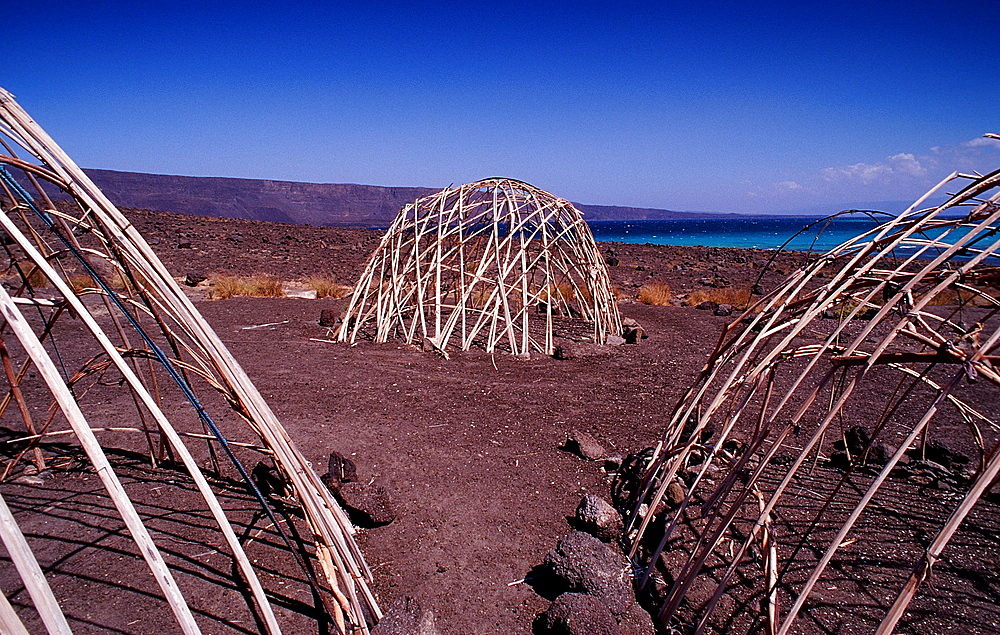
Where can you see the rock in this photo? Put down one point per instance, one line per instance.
(342, 469)
(268, 480)
(578, 614)
(367, 505)
(708, 305)
(675, 493)
(585, 564)
(611, 260)
(598, 518)
(614, 340)
(724, 309)
(329, 318)
(184, 245)
(940, 453)
(194, 278)
(636, 621)
(757, 289)
(632, 332)
(584, 445)
(612, 463)
(406, 617)
(563, 351)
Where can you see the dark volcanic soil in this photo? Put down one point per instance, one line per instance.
(470, 445)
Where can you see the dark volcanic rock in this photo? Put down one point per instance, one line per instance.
(708, 305)
(194, 278)
(406, 617)
(724, 309)
(584, 445)
(329, 318)
(579, 614)
(632, 332)
(368, 505)
(342, 468)
(598, 518)
(585, 564)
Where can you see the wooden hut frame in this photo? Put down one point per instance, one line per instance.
(895, 330)
(491, 264)
(71, 253)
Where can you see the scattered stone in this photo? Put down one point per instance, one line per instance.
(612, 463)
(268, 480)
(598, 518)
(406, 617)
(342, 469)
(614, 340)
(184, 245)
(636, 621)
(563, 351)
(632, 332)
(584, 445)
(578, 614)
(675, 493)
(757, 289)
(938, 452)
(708, 305)
(329, 318)
(367, 505)
(585, 564)
(724, 309)
(194, 278)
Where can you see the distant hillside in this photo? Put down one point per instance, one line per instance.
(330, 204)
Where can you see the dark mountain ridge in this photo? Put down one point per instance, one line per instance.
(329, 204)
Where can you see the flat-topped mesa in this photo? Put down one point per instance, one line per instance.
(495, 264)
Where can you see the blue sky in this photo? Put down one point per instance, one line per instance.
(734, 107)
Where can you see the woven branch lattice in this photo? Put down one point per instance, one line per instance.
(71, 254)
(493, 264)
(816, 470)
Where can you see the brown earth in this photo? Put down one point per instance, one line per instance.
(470, 447)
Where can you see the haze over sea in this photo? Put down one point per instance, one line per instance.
(760, 232)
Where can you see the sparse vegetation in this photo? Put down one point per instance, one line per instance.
(735, 296)
(328, 288)
(656, 293)
(259, 286)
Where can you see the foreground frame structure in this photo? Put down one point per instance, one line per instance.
(72, 254)
(492, 264)
(838, 405)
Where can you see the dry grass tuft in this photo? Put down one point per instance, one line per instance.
(734, 296)
(259, 286)
(328, 288)
(656, 293)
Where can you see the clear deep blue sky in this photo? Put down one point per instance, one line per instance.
(692, 106)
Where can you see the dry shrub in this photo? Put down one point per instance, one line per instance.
(328, 288)
(561, 292)
(79, 282)
(259, 286)
(36, 279)
(955, 297)
(656, 293)
(734, 296)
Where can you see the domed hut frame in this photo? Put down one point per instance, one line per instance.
(794, 458)
(495, 264)
(98, 337)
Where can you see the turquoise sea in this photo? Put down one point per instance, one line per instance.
(761, 232)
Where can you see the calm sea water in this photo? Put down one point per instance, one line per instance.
(750, 232)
